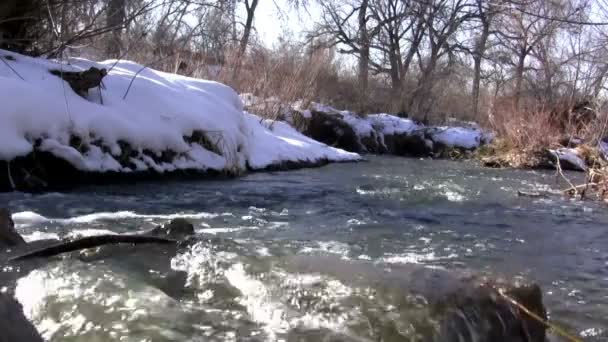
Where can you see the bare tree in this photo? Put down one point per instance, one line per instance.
(115, 21)
(347, 25)
(250, 7)
(443, 18)
(486, 12)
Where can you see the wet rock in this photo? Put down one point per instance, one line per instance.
(13, 324)
(8, 235)
(333, 131)
(413, 145)
(484, 315)
(373, 143)
(176, 228)
(454, 303)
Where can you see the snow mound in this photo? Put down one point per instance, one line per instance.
(279, 142)
(465, 137)
(141, 120)
(390, 124)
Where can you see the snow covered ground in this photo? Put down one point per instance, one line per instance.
(161, 112)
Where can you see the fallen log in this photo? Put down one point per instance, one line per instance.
(89, 242)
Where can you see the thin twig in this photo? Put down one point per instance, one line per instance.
(559, 171)
(65, 95)
(10, 67)
(10, 177)
(133, 80)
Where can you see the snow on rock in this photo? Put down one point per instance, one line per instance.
(165, 121)
(362, 125)
(390, 124)
(569, 159)
(465, 137)
(386, 127)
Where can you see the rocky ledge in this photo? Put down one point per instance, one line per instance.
(387, 134)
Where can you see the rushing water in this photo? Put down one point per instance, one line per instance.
(293, 253)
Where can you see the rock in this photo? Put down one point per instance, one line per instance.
(532, 194)
(82, 81)
(373, 143)
(569, 159)
(459, 308)
(13, 324)
(412, 145)
(8, 235)
(487, 316)
(333, 131)
(176, 228)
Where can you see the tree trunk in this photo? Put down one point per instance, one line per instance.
(519, 78)
(421, 99)
(364, 55)
(395, 79)
(248, 25)
(478, 54)
(115, 20)
(19, 23)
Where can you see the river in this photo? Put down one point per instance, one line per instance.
(243, 283)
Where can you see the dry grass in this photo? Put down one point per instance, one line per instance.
(526, 130)
(280, 77)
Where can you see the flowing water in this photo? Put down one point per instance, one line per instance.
(301, 255)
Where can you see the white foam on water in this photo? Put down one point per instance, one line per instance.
(591, 332)
(38, 235)
(215, 231)
(69, 301)
(331, 247)
(256, 298)
(414, 258)
(89, 232)
(264, 304)
(28, 218)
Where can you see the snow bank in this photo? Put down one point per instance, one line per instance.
(279, 142)
(108, 131)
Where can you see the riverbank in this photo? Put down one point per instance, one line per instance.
(84, 122)
(132, 122)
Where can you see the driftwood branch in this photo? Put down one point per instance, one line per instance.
(90, 242)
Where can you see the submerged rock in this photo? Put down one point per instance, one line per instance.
(448, 306)
(484, 315)
(176, 228)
